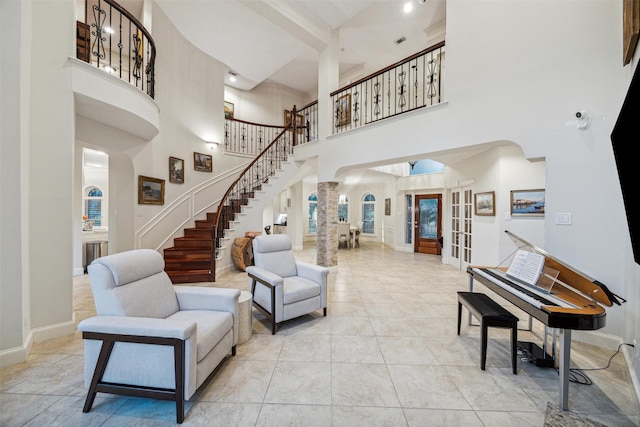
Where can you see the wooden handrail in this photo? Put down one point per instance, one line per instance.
(390, 67)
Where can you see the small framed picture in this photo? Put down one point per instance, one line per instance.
(150, 191)
(343, 110)
(202, 162)
(228, 110)
(527, 202)
(485, 203)
(176, 170)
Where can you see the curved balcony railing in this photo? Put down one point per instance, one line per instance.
(112, 39)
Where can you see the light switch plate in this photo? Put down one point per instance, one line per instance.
(563, 218)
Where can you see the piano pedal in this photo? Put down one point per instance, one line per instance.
(534, 354)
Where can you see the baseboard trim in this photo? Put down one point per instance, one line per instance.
(16, 355)
(600, 339)
(53, 331)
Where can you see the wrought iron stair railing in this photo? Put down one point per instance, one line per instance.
(254, 176)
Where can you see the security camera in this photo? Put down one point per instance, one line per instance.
(581, 114)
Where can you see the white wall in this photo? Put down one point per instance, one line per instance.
(264, 104)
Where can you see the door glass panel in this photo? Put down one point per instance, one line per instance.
(428, 219)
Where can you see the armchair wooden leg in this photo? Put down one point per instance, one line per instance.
(178, 357)
(325, 311)
(98, 373)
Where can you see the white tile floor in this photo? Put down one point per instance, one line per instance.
(387, 354)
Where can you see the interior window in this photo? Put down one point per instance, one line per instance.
(368, 213)
(93, 206)
(313, 213)
(343, 208)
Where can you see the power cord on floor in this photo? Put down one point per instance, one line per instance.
(576, 375)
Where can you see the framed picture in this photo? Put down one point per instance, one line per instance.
(299, 120)
(527, 202)
(150, 190)
(176, 170)
(485, 203)
(343, 110)
(228, 110)
(202, 162)
(387, 207)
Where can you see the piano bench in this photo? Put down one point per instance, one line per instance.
(490, 314)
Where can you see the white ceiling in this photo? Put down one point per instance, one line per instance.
(279, 41)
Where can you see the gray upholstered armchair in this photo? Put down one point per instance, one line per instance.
(282, 287)
(150, 338)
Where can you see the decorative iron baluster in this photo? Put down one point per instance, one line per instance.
(366, 101)
(389, 103)
(376, 99)
(260, 132)
(415, 84)
(137, 56)
(120, 46)
(431, 78)
(226, 135)
(243, 136)
(97, 48)
(401, 86)
(356, 107)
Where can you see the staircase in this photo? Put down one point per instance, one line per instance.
(190, 258)
(194, 256)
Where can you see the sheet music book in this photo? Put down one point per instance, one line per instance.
(526, 267)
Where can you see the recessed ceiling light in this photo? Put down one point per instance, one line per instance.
(408, 7)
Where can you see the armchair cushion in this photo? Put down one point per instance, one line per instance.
(298, 289)
(276, 253)
(148, 291)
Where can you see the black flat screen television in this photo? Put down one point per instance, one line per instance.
(624, 137)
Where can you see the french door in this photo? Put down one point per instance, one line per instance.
(459, 243)
(428, 224)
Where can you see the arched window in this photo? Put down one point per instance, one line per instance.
(343, 208)
(313, 213)
(93, 205)
(368, 213)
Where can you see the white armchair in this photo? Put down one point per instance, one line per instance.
(282, 287)
(150, 338)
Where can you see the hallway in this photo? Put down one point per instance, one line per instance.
(387, 354)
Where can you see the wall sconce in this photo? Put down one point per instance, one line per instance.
(412, 163)
(232, 76)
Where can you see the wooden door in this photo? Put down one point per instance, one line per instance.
(428, 224)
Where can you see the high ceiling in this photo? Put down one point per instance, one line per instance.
(279, 41)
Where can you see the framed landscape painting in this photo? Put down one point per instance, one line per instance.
(176, 170)
(150, 190)
(228, 110)
(343, 110)
(485, 203)
(202, 162)
(527, 203)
